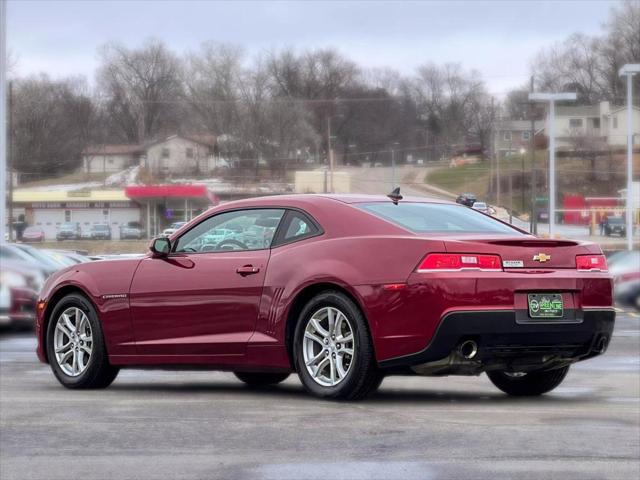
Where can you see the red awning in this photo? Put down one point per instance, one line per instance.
(142, 192)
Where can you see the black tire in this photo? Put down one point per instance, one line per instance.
(363, 376)
(261, 379)
(99, 373)
(530, 384)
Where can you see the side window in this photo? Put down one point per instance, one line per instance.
(237, 230)
(296, 227)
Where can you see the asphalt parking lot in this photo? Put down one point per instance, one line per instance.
(207, 425)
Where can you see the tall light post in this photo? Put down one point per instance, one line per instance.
(629, 70)
(552, 98)
(393, 164)
(3, 119)
(330, 149)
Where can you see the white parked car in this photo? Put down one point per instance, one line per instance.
(173, 228)
(481, 207)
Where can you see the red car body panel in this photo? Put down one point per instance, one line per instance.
(195, 308)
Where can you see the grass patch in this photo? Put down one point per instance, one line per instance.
(471, 178)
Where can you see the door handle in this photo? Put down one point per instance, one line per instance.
(247, 270)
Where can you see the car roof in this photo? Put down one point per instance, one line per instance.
(300, 199)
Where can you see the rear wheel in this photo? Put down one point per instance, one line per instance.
(333, 350)
(259, 379)
(75, 345)
(528, 384)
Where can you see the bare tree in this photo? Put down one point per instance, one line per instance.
(52, 122)
(589, 65)
(212, 86)
(142, 87)
(446, 95)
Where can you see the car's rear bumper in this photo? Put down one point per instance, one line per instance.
(505, 336)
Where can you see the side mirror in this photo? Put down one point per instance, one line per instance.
(160, 247)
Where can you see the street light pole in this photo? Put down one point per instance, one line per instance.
(552, 98)
(393, 169)
(629, 70)
(3, 119)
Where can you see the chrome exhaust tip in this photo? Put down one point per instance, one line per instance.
(601, 344)
(468, 349)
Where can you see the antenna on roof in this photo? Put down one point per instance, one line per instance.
(395, 195)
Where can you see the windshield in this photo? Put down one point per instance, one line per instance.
(100, 227)
(436, 217)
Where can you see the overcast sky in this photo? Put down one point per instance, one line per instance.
(498, 38)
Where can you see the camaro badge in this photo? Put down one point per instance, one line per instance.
(542, 257)
(114, 295)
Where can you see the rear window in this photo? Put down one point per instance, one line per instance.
(435, 217)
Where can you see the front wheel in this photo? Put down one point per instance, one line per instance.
(75, 345)
(528, 384)
(333, 350)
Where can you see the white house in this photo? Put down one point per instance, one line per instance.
(110, 158)
(174, 155)
(181, 154)
(600, 125)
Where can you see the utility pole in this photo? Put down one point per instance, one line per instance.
(494, 145)
(533, 228)
(393, 169)
(330, 153)
(3, 118)
(510, 179)
(498, 164)
(10, 161)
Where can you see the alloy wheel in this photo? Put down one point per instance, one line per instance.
(328, 346)
(73, 341)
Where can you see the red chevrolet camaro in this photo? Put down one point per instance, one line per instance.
(342, 290)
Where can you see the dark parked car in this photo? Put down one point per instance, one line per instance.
(467, 199)
(69, 231)
(614, 226)
(100, 231)
(348, 289)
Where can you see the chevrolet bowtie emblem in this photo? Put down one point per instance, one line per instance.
(542, 257)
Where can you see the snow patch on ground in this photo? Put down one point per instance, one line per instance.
(125, 177)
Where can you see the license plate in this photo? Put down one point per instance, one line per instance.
(545, 305)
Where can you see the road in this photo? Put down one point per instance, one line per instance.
(206, 425)
(379, 181)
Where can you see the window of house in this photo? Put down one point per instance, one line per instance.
(526, 135)
(507, 136)
(595, 122)
(189, 152)
(165, 153)
(67, 216)
(615, 121)
(575, 123)
(110, 161)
